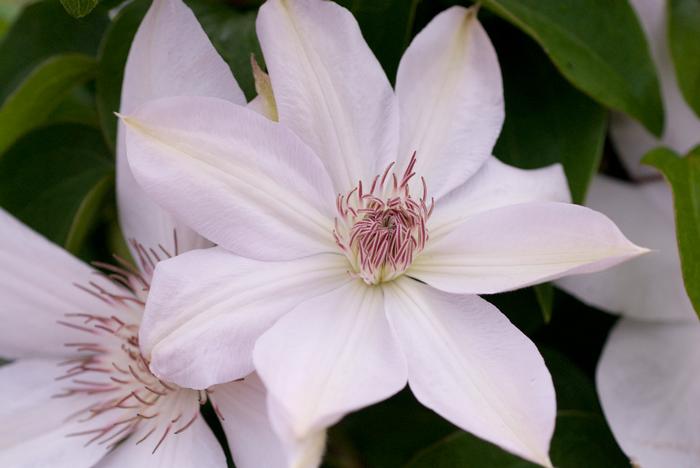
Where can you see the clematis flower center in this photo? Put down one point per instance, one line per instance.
(122, 397)
(383, 229)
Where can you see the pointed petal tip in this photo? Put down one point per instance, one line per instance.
(546, 462)
(128, 120)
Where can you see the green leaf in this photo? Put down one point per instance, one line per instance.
(683, 173)
(547, 120)
(575, 390)
(464, 450)
(385, 435)
(79, 8)
(582, 440)
(8, 12)
(54, 180)
(521, 307)
(40, 93)
(42, 30)
(111, 60)
(77, 107)
(386, 26)
(233, 34)
(599, 46)
(545, 298)
(684, 40)
(577, 330)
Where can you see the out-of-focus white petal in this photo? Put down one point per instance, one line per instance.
(649, 386)
(329, 88)
(450, 99)
(519, 245)
(207, 307)
(170, 56)
(682, 127)
(240, 180)
(37, 289)
(196, 446)
(469, 364)
(243, 409)
(495, 185)
(35, 423)
(331, 355)
(649, 287)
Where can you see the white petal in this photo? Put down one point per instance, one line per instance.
(243, 408)
(170, 56)
(38, 288)
(469, 364)
(649, 287)
(496, 185)
(259, 105)
(207, 307)
(194, 447)
(682, 126)
(649, 386)
(36, 424)
(328, 87)
(239, 179)
(331, 355)
(519, 245)
(450, 99)
(300, 452)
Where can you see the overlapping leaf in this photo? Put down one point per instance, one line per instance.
(683, 173)
(597, 45)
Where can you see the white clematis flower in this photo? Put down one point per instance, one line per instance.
(354, 235)
(682, 128)
(80, 392)
(648, 374)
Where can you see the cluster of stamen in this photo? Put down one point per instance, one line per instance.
(122, 395)
(383, 229)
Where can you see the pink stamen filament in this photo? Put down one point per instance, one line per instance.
(110, 365)
(381, 231)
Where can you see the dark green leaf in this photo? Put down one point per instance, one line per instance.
(77, 107)
(547, 120)
(577, 330)
(466, 451)
(111, 60)
(79, 8)
(684, 39)
(575, 390)
(233, 34)
(54, 179)
(43, 89)
(42, 30)
(599, 46)
(386, 26)
(683, 173)
(582, 440)
(385, 435)
(521, 307)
